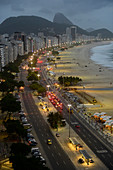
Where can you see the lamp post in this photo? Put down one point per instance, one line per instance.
(48, 91)
(69, 105)
(48, 86)
(38, 76)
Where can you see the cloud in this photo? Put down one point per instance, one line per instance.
(6, 2)
(45, 11)
(17, 8)
(84, 6)
(98, 18)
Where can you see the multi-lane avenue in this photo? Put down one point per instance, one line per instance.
(57, 157)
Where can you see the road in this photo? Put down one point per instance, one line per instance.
(57, 157)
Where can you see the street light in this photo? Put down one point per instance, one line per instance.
(48, 91)
(38, 76)
(48, 86)
(69, 105)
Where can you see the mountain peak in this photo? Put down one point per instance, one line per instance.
(61, 19)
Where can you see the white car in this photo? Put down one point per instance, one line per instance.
(34, 150)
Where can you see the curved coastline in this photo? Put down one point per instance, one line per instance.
(101, 55)
(77, 62)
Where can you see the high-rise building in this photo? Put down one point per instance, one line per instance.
(20, 36)
(2, 58)
(71, 33)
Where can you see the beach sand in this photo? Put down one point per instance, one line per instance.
(76, 62)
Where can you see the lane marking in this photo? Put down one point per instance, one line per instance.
(59, 154)
(109, 155)
(89, 141)
(111, 164)
(57, 163)
(102, 151)
(103, 156)
(84, 135)
(64, 162)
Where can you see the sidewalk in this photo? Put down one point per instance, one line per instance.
(71, 151)
(6, 165)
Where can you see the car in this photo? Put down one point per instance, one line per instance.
(23, 119)
(33, 150)
(77, 126)
(91, 161)
(29, 130)
(40, 97)
(37, 154)
(80, 146)
(32, 142)
(29, 135)
(57, 135)
(21, 113)
(27, 125)
(22, 116)
(49, 142)
(81, 161)
(42, 160)
(32, 139)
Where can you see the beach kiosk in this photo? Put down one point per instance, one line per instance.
(74, 142)
(99, 115)
(105, 118)
(85, 156)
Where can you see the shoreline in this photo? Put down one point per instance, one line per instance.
(77, 62)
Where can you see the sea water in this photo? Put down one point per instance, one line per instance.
(103, 55)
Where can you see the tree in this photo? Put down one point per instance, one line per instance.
(12, 67)
(22, 162)
(8, 83)
(6, 75)
(38, 87)
(69, 81)
(20, 84)
(14, 127)
(55, 119)
(20, 148)
(9, 104)
(19, 159)
(55, 53)
(32, 76)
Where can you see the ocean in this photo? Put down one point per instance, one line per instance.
(103, 55)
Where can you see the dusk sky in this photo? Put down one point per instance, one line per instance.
(83, 13)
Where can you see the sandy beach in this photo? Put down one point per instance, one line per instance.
(76, 62)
